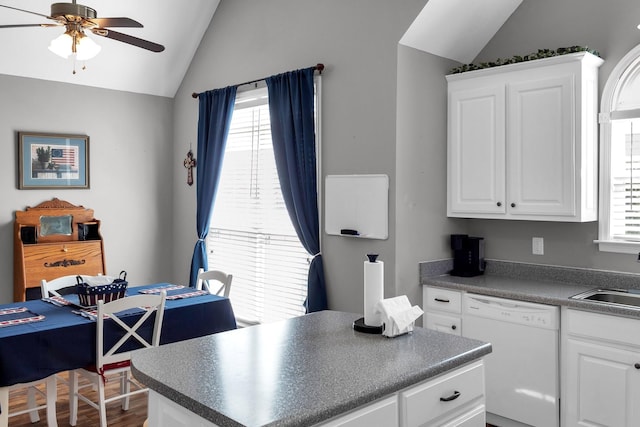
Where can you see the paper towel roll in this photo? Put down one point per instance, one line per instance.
(373, 291)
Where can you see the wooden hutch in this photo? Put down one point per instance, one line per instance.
(54, 239)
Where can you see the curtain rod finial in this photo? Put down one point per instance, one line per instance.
(320, 67)
(194, 95)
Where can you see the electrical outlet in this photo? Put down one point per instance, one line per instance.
(537, 245)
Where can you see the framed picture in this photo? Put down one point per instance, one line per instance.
(53, 161)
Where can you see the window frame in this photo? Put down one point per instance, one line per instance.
(606, 242)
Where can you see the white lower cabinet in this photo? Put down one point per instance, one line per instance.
(453, 399)
(443, 309)
(601, 358)
(444, 323)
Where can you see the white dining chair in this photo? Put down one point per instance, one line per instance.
(206, 279)
(110, 362)
(50, 394)
(51, 287)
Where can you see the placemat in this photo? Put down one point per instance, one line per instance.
(188, 294)
(175, 291)
(161, 288)
(18, 316)
(56, 300)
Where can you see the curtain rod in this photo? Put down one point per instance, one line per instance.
(317, 67)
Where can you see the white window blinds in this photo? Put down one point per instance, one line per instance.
(251, 235)
(625, 179)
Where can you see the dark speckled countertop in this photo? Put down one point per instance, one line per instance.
(297, 372)
(535, 283)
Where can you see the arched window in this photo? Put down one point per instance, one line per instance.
(619, 229)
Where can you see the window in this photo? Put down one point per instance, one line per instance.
(251, 235)
(620, 158)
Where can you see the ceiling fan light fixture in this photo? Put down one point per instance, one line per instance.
(85, 48)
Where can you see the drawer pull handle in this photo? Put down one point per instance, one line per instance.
(441, 300)
(637, 366)
(454, 396)
(65, 263)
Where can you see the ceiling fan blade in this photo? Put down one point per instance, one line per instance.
(26, 11)
(116, 22)
(125, 38)
(30, 25)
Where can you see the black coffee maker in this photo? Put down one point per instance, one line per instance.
(468, 255)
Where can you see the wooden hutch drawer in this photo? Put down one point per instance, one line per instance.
(52, 260)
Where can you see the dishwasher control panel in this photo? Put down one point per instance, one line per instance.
(524, 313)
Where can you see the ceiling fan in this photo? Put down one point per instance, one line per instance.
(77, 18)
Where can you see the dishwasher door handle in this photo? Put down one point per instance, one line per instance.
(481, 301)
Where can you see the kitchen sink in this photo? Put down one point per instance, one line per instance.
(622, 297)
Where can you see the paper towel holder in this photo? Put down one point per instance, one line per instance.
(360, 326)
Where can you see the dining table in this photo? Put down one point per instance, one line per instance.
(39, 338)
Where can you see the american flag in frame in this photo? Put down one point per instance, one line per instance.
(52, 160)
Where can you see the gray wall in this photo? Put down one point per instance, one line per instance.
(422, 227)
(610, 28)
(357, 40)
(130, 159)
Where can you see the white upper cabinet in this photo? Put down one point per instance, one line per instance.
(522, 140)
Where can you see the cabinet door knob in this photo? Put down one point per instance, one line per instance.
(454, 328)
(64, 248)
(499, 204)
(637, 366)
(513, 205)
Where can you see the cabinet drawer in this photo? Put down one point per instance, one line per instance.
(622, 330)
(437, 397)
(447, 324)
(442, 299)
(51, 260)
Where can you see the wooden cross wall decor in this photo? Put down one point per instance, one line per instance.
(190, 163)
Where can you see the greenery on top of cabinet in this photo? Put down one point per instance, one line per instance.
(541, 53)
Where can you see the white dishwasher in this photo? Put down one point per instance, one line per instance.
(522, 378)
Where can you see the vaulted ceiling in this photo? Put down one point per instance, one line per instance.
(455, 29)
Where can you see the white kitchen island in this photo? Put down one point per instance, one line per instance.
(315, 370)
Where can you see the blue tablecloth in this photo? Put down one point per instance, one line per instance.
(65, 340)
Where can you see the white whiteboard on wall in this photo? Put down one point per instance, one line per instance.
(359, 203)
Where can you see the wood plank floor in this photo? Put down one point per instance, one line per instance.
(87, 416)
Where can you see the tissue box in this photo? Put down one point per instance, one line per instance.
(398, 316)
